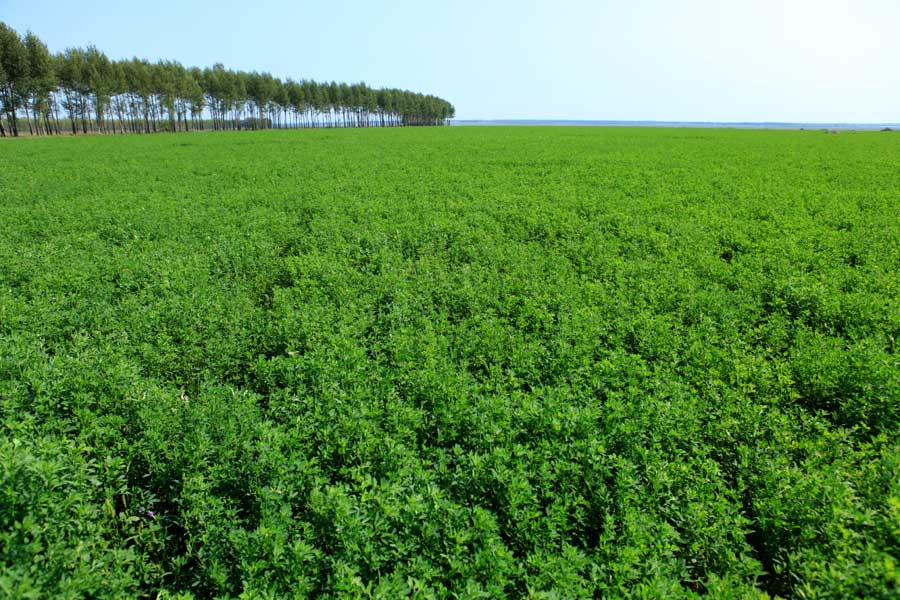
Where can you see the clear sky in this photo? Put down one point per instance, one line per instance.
(689, 60)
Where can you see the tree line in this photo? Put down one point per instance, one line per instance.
(81, 90)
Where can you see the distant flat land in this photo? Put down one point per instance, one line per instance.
(674, 124)
(460, 361)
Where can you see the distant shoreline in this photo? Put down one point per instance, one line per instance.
(691, 124)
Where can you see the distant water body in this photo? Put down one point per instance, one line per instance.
(698, 124)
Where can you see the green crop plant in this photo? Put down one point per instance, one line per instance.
(451, 362)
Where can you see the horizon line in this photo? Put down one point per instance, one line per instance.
(658, 123)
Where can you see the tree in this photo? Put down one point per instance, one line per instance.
(193, 93)
(14, 66)
(137, 82)
(39, 83)
(71, 68)
(119, 99)
(2, 88)
(99, 83)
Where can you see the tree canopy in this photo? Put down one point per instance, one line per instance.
(82, 90)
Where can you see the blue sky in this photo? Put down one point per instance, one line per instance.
(697, 60)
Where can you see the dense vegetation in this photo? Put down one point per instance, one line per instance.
(81, 89)
(478, 362)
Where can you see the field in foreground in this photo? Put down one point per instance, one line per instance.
(451, 362)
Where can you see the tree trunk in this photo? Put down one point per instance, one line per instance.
(36, 113)
(84, 125)
(31, 131)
